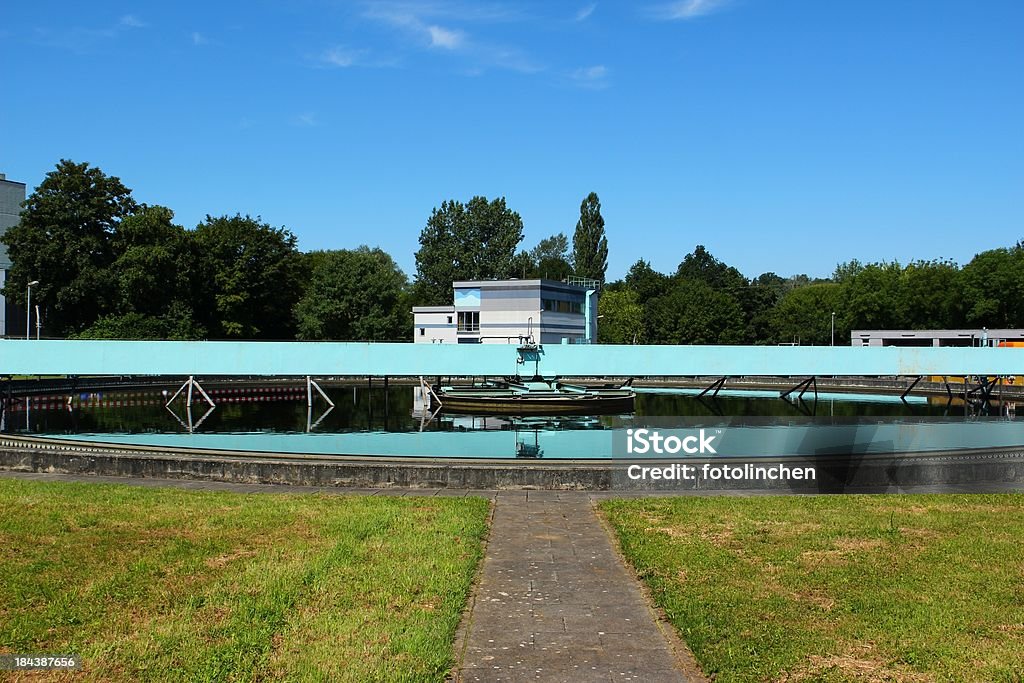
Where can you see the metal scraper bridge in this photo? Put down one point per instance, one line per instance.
(998, 465)
(372, 359)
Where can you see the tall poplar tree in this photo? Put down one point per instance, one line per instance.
(589, 244)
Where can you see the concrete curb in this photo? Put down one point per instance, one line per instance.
(835, 474)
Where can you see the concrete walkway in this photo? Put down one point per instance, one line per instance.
(555, 602)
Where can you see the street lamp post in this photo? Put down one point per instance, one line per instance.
(833, 328)
(28, 310)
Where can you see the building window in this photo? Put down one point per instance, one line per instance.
(423, 331)
(557, 306)
(449, 320)
(469, 321)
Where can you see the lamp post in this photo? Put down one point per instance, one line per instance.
(833, 328)
(28, 309)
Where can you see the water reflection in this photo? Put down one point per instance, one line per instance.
(390, 421)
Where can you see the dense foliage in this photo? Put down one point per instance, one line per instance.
(65, 241)
(472, 241)
(357, 294)
(707, 301)
(109, 267)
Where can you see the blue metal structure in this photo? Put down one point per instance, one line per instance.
(228, 358)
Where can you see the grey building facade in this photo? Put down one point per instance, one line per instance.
(12, 194)
(967, 337)
(510, 312)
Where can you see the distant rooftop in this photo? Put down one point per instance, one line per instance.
(524, 282)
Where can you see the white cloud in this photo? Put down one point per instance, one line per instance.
(307, 120)
(584, 12)
(688, 9)
(420, 21)
(338, 57)
(445, 38)
(403, 12)
(591, 76)
(132, 21)
(198, 38)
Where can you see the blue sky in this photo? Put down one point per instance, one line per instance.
(784, 135)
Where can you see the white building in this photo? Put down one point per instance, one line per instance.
(510, 312)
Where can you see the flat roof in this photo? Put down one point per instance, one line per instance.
(941, 334)
(516, 283)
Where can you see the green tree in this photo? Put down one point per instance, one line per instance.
(473, 241)
(872, 298)
(774, 282)
(153, 274)
(645, 281)
(930, 296)
(523, 265)
(177, 324)
(64, 242)
(554, 247)
(758, 301)
(993, 288)
(847, 271)
(804, 315)
(253, 277)
(357, 294)
(589, 243)
(701, 265)
(621, 317)
(693, 312)
(551, 258)
(755, 300)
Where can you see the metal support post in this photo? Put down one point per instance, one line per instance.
(189, 384)
(803, 387)
(903, 396)
(717, 386)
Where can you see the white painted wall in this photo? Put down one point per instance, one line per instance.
(435, 328)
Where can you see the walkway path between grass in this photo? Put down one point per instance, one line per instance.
(556, 603)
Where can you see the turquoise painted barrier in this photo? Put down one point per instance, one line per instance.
(800, 438)
(321, 359)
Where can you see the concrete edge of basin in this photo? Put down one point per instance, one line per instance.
(833, 473)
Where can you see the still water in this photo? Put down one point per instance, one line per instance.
(393, 422)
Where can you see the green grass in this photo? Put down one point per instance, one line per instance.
(166, 584)
(837, 588)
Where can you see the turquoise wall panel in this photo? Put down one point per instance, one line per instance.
(21, 357)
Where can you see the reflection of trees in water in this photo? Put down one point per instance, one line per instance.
(651, 405)
(358, 408)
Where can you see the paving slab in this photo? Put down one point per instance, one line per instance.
(556, 603)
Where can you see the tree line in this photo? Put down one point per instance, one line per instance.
(110, 267)
(709, 302)
(113, 268)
